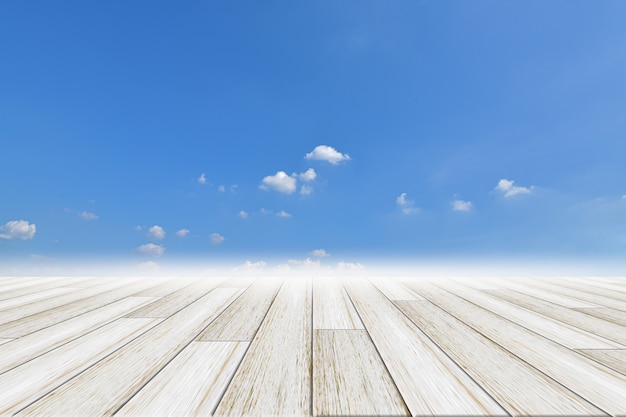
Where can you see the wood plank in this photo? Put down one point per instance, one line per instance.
(34, 344)
(555, 330)
(106, 386)
(590, 297)
(274, 377)
(428, 380)
(166, 287)
(24, 283)
(561, 300)
(583, 321)
(494, 368)
(615, 359)
(393, 290)
(32, 297)
(5, 295)
(3, 341)
(25, 384)
(191, 384)
(591, 288)
(332, 308)
(242, 319)
(176, 301)
(606, 313)
(45, 313)
(349, 377)
(598, 384)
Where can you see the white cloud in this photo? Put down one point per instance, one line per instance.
(308, 263)
(243, 214)
(283, 213)
(202, 179)
(138, 228)
(149, 266)
(251, 266)
(350, 266)
(509, 190)
(460, 205)
(17, 229)
(216, 238)
(151, 249)
(182, 232)
(308, 175)
(406, 205)
(156, 232)
(327, 153)
(306, 190)
(319, 253)
(221, 188)
(280, 182)
(88, 216)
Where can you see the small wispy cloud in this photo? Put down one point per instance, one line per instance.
(280, 182)
(156, 232)
(460, 205)
(350, 266)
(308, 175)
(508, 188)
(216, 239)
(151, 249)
(306, 190)
(85, 215)
(251, 266)
(138, 228)
(328, 154)
(406, 205)
(283, 214)
(182, 232)
(266, 212)
(202, 179)
(17, 230)
(242, 214)
(319, 253)
(221, 188)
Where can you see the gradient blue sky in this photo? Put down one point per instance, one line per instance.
(111, 112)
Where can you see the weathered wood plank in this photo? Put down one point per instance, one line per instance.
(241, 320)
(3, 341)
(495, 368)
(26, 284)
(606, 313)
(25, 384)
(579, 294)
(394, 290)
(32, 297)
(428, 380)
(524, 288)
(583, 321)
(108, 385)
(34, 344)
(191, 384)
(615, 359)
(47, 285)
(349, 377)
(274, 377)
(592, 288)
(166, 287)
(558, 331)
(332, 308)
(598, 384)
(176, 301)
(45, 313)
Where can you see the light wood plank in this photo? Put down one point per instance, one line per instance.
(241, 320)
(3, 341)
(606, 313)
(555, 330)
(428, 380)
(191, 384)
(176, 301)
(274, 377)
(45, 313)
(349, 377)
(106, 386)
(166, 287)
(36, 296)
(615, 359)
(598, 384)
(332, 308)
(394, 290)
(27, 383)
(579, 294)
(47, 285)
(592, 288)
(26, 283)
(34, 344)
(583, 321)
(524, 288)
(495, 368)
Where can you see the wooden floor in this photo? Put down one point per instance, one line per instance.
(312, 346)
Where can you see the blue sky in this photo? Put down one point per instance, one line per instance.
(434, 129)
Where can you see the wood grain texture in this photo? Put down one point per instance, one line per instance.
(34, 296)
(598, 384)
(25, 283)
(349, 377)
(615, 359)
(108, 385)
(25, 384)
(394, 290)
(332, 308)
(606, 313)
(274, 377)
(166, 286)
(606, 329)
(549, 296)
(46, 285)
(578, 294)
(558, 331)
(191, 384)
(3, 341)
(589, 287)
(242, 319)
(18, 322)
(428, 380)
(518, 387)
(34, 344)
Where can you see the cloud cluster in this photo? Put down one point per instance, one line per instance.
(328, 154)
(406, 205)
(216, 239)
(243, 214)
(85, 215)
(151, 249)
(280, 182)
(182, 232)
(156, 232)
(507, 188)
(283, 214)
(17, 229)
(460, 205)
(319, 253)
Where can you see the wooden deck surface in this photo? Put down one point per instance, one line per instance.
(302, 346)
